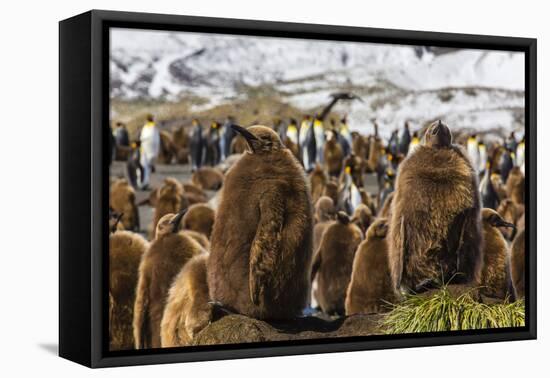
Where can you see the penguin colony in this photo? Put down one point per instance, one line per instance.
(294, 227)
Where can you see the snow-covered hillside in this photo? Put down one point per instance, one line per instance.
(475, 89)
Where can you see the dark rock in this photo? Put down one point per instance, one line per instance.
(235, 328)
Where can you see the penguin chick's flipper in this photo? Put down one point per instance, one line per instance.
(468, 258)
(266, 245)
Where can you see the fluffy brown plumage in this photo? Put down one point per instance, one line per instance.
(495, 273)
(169, 199)
(333, 155)
(261, 252)
(385, 211)
(122, 199)
(317, 181)
(200, 218)
(331, 190)
(333, 263)
(188, 309)
(517, 266)
(515, 186)
(166, 256)
(371, 289)
(208, 178)
(125, 251)
(435, 227)
(512, 212)
(324, 209)
(362, 217)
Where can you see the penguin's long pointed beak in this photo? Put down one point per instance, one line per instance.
(250, 138)
(175, 222)
(503, 223)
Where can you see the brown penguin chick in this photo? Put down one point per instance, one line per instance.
(181, 138)
(324, 210)
(317, 181)
(168, 150)
(122, 199)
(376, 150)
(188, 309)
(169, 199)
(512, 213)
(362, 217)
(125, 251)
(495, 278)
(199, 237)
(333, 155)
(517, 265)
(325, 213)
(333, 263)
(435, 227)
(385, 211)
(331, 190)
(260, 257)
(200, 218)
(359, 145)
(208, 178)
(515, 186)
(371, 289)
(166, 255)
(193, 193)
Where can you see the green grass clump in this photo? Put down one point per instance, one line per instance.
(442, 312)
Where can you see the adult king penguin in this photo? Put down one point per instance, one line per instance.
(261, 244)
(150, 148)
(198, 145)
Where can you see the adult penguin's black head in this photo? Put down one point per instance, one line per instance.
(438, 135)
(260, 139)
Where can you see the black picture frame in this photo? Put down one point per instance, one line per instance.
(83, 196)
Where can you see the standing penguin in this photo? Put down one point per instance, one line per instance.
(495, 280)
(515, 185)
(226, 137)
(435, 227)
(405, 140)
(349, 196)
(393, 143)
(150, 149)
(482, 158)
(197, 145)
(371, 289)
(472, 147)
(200, 218)
(213, 153)
(319, 134)
(317, 182)
(165, 257)
(291, 138)
(261, 252)
(344, 136)
(125, 251)
(308, 147)
(333, 263)
(415, 142)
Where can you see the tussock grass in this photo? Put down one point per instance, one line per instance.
(442, 312)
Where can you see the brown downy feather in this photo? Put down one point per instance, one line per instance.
(362, 217)
(435, 227)
(371, 289)
(317, 181)
(125, 252)
(511, 212)
(188, 309)
(517, 266)
(331, 190)
(333, 263)
(164, 259)
(169, 199)
(334, 156)
(495, 273)
(515, 186)
(385, 211)
(200, 218)
(208, 178)
(260, 257)
(122, 199)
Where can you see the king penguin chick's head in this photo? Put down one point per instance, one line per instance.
(438, 135)
(491, 217)
(261, 140)
(169, 224)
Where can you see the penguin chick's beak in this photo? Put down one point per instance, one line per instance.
(251, 139)
(175, 222)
